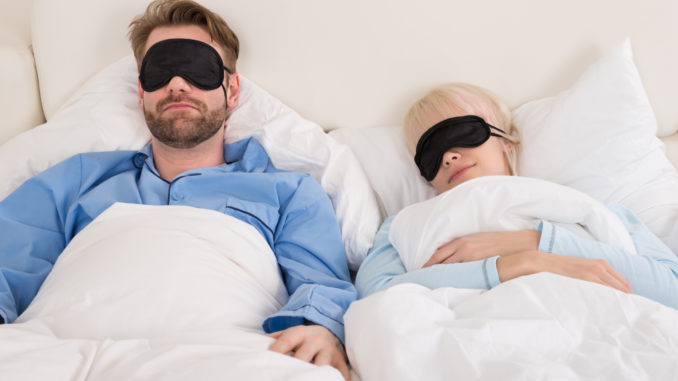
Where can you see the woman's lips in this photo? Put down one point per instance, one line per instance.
(458, 173)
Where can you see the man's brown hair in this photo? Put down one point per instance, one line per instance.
(182, 12)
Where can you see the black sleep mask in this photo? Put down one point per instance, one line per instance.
(461, 131)
(192, 60)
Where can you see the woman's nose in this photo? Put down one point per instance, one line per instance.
(449, 157)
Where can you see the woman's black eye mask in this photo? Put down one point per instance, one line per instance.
(192, 60)
(461, 131)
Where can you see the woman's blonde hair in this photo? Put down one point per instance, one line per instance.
(459, 99)
(183, 12)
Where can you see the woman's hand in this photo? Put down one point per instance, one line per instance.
(312, 343)
(485, 245)
(531, 262)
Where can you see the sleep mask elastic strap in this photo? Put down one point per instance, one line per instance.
(461, 131)
(193, 60)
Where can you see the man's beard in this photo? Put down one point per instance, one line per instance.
(181, 130)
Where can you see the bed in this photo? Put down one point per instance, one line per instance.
(325, 88)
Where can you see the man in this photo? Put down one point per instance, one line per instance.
(187, 82)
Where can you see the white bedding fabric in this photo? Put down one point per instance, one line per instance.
(148, 292)
(500, 203)
(542, 326)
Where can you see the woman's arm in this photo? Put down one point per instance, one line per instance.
(478, 246)
(383, 268)
(533, 261)
(652, 273)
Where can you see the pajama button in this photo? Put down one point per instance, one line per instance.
(139, 160)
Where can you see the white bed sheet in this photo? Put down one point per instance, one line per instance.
(148, 292)
(497, 204)
(542, 326)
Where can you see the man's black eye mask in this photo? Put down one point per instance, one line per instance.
(461, 131)
(192, 60)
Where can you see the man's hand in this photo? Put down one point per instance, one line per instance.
(312, 343)
(478, 246)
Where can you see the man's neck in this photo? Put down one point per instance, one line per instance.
(170, 162)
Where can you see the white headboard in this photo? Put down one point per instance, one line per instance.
(356, 63)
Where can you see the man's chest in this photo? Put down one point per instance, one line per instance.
(259, 199)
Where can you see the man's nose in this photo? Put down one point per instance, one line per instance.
(178, 84)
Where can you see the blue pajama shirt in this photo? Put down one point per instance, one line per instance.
(653, 272)
(290, 210)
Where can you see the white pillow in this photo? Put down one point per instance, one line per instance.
(104, 115)
(390, 168)
(599, 136)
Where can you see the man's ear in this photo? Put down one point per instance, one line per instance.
(233, 90)
(141, 95)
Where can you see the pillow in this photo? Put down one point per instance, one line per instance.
(104, 115)
(390, 168)
(599, 136)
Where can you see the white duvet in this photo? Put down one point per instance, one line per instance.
(500, 203)
(538, 327)
(148, 292)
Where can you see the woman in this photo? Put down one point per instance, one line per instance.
(458, 132)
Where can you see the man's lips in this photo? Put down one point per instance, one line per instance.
(179, 106)
(458, 173)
